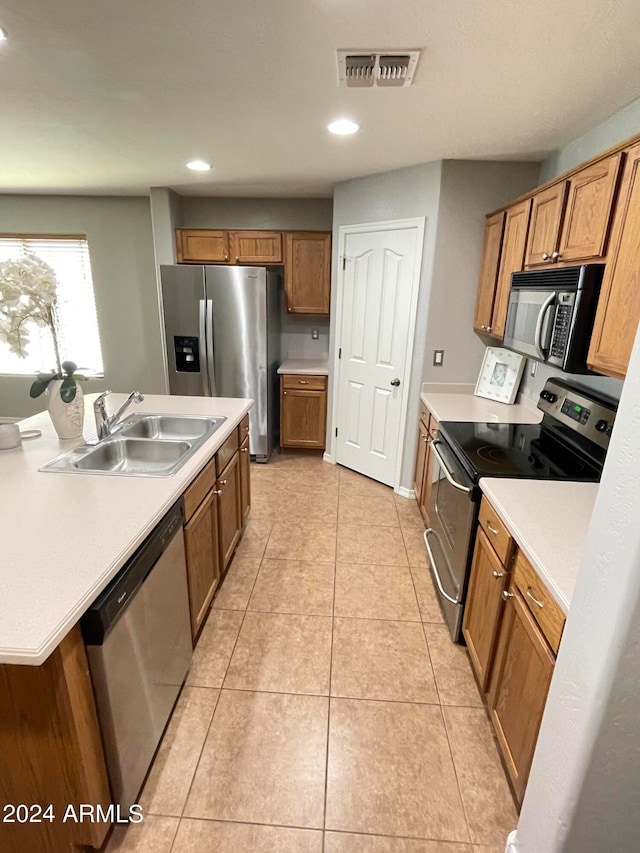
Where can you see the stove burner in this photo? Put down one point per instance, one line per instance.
(493, 455)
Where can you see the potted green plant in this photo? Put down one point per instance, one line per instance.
(28, 293)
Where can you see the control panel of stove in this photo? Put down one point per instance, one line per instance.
(590, 415)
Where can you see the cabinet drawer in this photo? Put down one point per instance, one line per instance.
(496, 532)
(540, 602)
(225, 453)
(425, 416)
(308, 383)
(433, 427)
(243, 429)
(197, 491)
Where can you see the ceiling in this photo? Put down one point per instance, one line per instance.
(115, 97)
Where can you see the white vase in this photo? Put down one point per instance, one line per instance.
(67, 418)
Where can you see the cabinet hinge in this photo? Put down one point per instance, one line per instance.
(339, 352)
(336, 431)
(344, 263)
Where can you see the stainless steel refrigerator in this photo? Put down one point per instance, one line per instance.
(222, 332)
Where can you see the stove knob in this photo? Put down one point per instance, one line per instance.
(551, 398)
(544, 395)
(603, 426)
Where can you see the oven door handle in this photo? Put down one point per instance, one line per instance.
(435, 571)
(537, 340)
(443, 465)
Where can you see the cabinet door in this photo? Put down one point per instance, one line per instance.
(229, 510)
(307, 276)
(589, 206)
(547, 208)
(256, 247)
(493, 231)
(511, 260)
(245, 480)
(421, 459)
(484, 607)
(618, 310)
(303, 418)
(203, 563)
(427, 477)
(202, 246)
(523, 669)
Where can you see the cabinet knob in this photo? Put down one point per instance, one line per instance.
(546, 257)
(285, 393)
(223, 482)
(244, 450)
(497, 574)
(226, 257)
(237, 259)
(302, 382)
(488, 328)
(217, 491)
(483, 327)
(507, 595)
(555, 256)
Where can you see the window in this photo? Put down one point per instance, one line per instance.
(76, 307)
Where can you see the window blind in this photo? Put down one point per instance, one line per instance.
(68, 256)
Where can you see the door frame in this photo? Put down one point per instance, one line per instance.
(417, 223)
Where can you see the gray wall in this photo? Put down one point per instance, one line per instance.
(616, 129)
(401, 194)
(469, 190)
(122, 265)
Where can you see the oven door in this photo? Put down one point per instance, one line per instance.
(452, 512)
(530, 321)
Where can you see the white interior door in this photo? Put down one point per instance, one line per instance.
(379, 292)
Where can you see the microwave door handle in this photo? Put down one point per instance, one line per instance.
(537, 340)
(445, 470)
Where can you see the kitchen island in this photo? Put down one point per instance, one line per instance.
(64, 536)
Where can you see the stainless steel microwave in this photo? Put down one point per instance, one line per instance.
(551, 313)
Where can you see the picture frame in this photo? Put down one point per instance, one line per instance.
(500, 375)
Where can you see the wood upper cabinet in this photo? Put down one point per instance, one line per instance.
(307, 278)
(303, 411)
(618, 310)
(483, 611)
(520, 683)
(229, 510)
(511, 260)
(201, 246)
(203, 561)
(245, 480)
(255, 247)
(489, 266)
(590, 197)
(547, 209)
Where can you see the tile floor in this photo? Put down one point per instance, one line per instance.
(326, 708)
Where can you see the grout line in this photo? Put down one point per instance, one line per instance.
(333, 630)
(455, 771)
(175, 834)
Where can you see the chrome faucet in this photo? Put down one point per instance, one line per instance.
(105, 424)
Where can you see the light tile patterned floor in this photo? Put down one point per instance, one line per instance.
(326, 710)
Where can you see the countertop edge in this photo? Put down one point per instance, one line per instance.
(37, 656)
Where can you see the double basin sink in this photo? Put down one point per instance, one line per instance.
(145, 445)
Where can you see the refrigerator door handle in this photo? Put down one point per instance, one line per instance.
(210, 363)
(202, 346)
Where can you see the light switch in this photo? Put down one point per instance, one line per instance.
(438, 357)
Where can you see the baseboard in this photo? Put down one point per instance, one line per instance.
(327, 457)
(405, 493)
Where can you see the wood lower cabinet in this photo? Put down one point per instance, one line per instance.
(303, 411)
(489, 266)
(516, 226)
(307, 279)
(202, 246)
(245, 480)
(255, 247)
(618, 311)
(203, 560)
(522, 674)
(483, 613)
(423, 475)
(547, 210)
(229, 510)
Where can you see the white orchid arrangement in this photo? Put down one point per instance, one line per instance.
(29, 294)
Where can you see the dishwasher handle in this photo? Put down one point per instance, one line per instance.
(105, 612)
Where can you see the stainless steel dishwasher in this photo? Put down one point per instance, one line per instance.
(138, 639)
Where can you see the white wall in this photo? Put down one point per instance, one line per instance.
(401, 194)
(122, 265)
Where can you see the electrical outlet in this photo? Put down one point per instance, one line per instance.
(438, 357)
(533, 367)
(315, 334)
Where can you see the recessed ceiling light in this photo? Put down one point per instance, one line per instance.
(343, 127)
(4, 36)
(199, 166)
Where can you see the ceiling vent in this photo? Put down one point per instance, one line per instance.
(363, 68)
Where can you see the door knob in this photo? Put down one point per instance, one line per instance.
(395, 382)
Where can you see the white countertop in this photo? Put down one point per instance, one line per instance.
(549, 521)
(312, 366)
(458, 403)
(63, 536)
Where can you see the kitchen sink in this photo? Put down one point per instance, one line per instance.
(144, 445)
(170, 427)
(134, 456)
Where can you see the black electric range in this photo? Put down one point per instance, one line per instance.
(570, 443)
